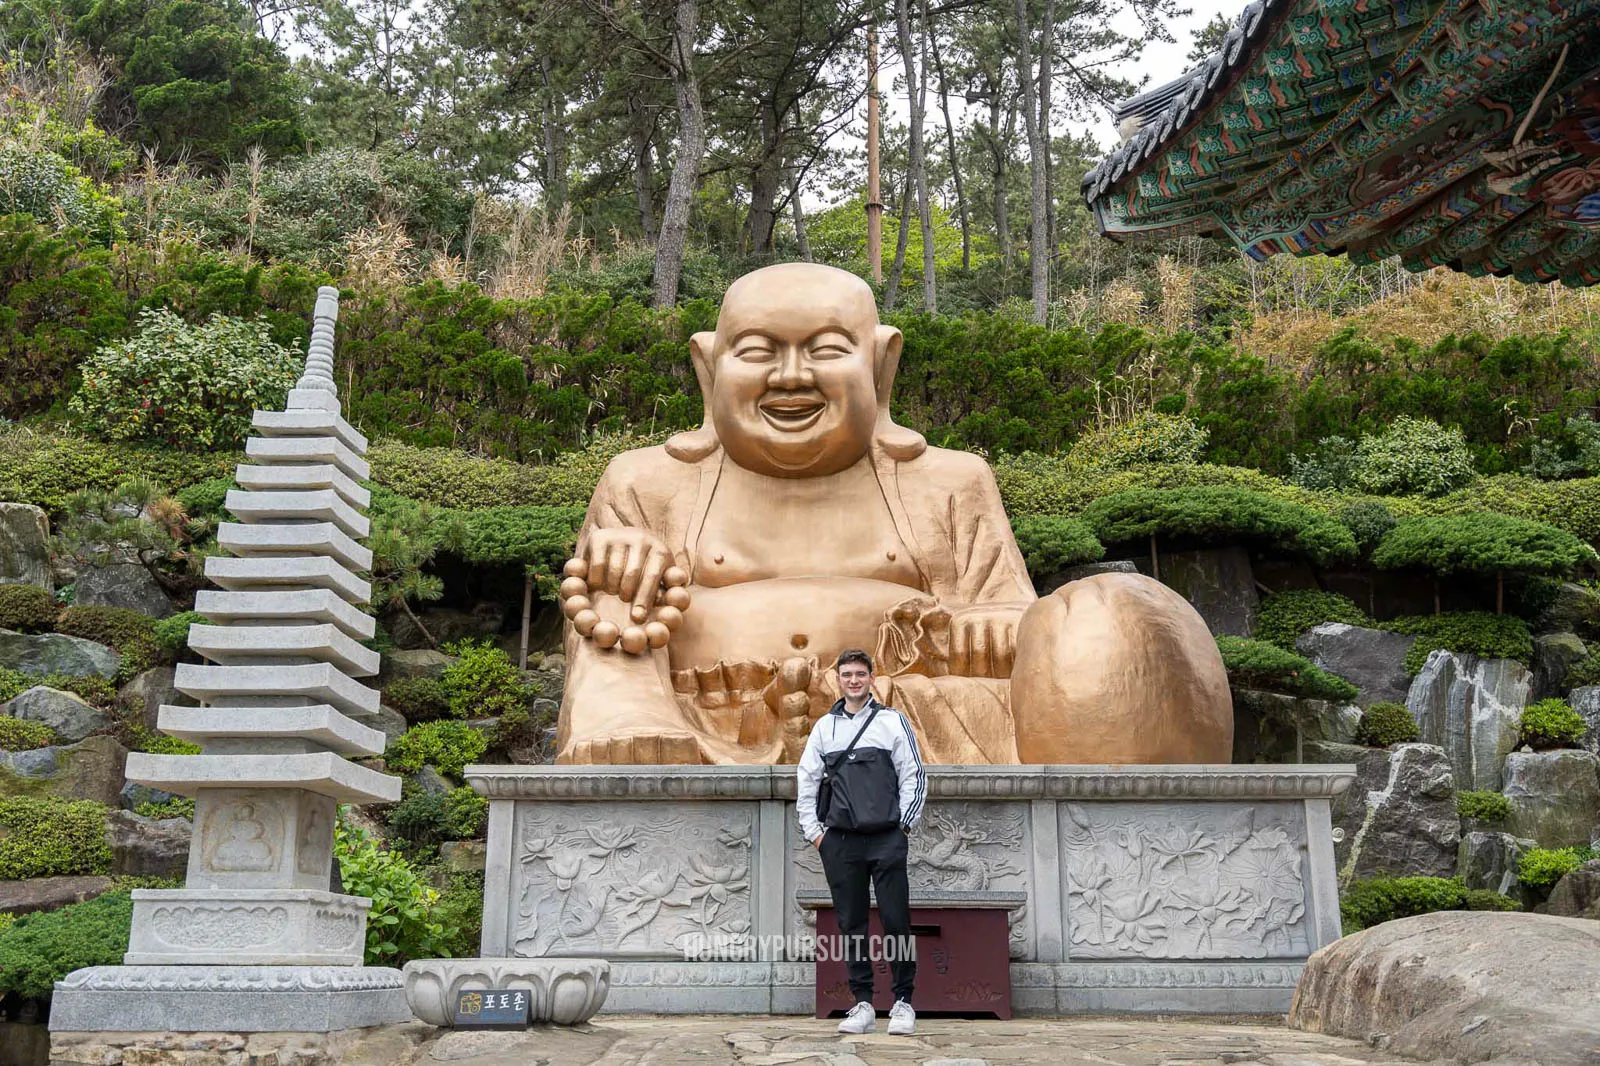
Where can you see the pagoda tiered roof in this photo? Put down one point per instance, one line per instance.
(1460, 134)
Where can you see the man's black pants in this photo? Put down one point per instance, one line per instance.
(851, 861)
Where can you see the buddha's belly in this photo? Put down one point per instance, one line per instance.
(779, 618)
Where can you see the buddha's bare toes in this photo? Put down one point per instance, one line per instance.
(665, 748)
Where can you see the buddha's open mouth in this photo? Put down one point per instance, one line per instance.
(792, 413)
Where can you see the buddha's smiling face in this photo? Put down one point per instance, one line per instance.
(793, 389)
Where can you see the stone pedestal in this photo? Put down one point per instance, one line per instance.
(1142, 889)
(255, 941)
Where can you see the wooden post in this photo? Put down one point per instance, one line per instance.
(874, 198)
(1155, 561)
(1499, 592)
(527, 616)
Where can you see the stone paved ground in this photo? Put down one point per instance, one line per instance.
(635, 1040)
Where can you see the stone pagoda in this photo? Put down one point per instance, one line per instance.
(259, 939)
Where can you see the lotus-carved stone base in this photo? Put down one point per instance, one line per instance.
(564, 991)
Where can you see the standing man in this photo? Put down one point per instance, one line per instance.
(860, 792)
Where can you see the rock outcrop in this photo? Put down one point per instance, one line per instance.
(150, 690)
(1470, 708)
(90, 769)
(147, 847)
(1461, 986)
(1219, 583)
(1586, 701)
(1555, 796)
(24, 545)
(1553, 655)
(1370, 659)
(50, 893)
(1489, 861)
(126, 585)
(1274, 727)
(1577, 895)
(1399, 818)
(55, 653)
(72, 717)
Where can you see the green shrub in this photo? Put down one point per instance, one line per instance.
(1483, 806)
(1586, 671)
(1374, 900)
(1330, 467)
(130, 633)
(46, 186)
(46, 470)
(1284, 616)
(536, 537)
(429, 818)
(1551, 723)
(1383, 724)
(482, 682)
(1481, 543)
(27, 609)
(447, 746)
(206, 499)
(171, 634)
(1413, 457)
(1219, 514)
(20, 734)
(44, 836)
(1481, 633)
(14, 683)
(460, 911)
(418, 699)
(1146, 438)
(148, 740)
(190, 387)
(176, 807)
(1541, 868)
(1050, 543)
(37, 950)
(1257, 664)
(1367, 521)
(91, 688)
(1485, 899)
(403, 923)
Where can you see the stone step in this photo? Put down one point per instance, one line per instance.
(321, 723)
(306, 572)
(308, 605)
(319, 476)
(321, 772)
(312, 505)
(309, 424)
(274, 450)
(313, 538)
(247, 645)
(319, 682)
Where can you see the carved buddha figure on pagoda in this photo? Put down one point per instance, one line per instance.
(718, 576)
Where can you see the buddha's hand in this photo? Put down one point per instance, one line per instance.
(633, 565)
(983, 640)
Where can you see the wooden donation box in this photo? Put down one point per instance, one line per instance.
(963, 961)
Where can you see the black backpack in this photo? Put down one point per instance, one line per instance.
(859, 792)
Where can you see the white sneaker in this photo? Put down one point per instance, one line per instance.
(902, 1019)
(861, 1019)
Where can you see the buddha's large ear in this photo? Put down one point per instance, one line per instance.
(898, 441)
(693, 445)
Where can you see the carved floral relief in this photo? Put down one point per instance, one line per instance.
(1158, 881)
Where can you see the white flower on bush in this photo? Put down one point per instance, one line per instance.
(193, 387)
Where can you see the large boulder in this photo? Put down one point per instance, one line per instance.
(1219, 583)
(147, 847)
(1577, 895)
(134, 795)
(72, 717)
(126, 585)
(55, 653)
(1273, 727)
(416, 662)
(388, 721)
(24, 545)
(1461, 986)
(1083, 570)
(1470, 707)
(1554, 654)
(1586, 701)
(1370, 659)
(150, 690)
(445, 624)
(50, 893)
(1399, 818)
(1489, 861)
(1555, 796)
(1574, 608)
(90, 769)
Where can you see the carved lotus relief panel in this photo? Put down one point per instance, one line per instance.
(647, 880)
(1199, 881)
(960, 847)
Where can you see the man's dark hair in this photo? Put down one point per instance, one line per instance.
(854, 655)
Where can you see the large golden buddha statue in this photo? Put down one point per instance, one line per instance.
(718, 576)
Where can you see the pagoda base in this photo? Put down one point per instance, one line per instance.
(228, 999)
(246, 927)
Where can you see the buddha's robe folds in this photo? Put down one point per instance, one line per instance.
(946, 510)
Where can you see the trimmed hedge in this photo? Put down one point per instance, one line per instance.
(21, 734)
(1220, 514)
(1541, 868)
(1284, 616)
(45, 836)
(1050, 543)
(447, 745)
(1481, 633)
(28, 609)
(1483, 806)
(1481, 543)
(1373, 900)
(46, 469)
(37, 950)
(1384, 724)
(131, 634)
(1257, 664)
(1551, 723)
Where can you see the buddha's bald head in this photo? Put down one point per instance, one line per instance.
(791, 374)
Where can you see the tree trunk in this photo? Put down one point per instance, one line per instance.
(917, 174)
(891, 290)
(1499, 592)
(527, 617)
(1155, 559)
(766, 181)
(1038, 243)
(800, 236)
(644, 176)
(555, 141)
(950, 141)
(999, 173)
(1047, 51)
(874, 203)
(674, 235)
(406, 607)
